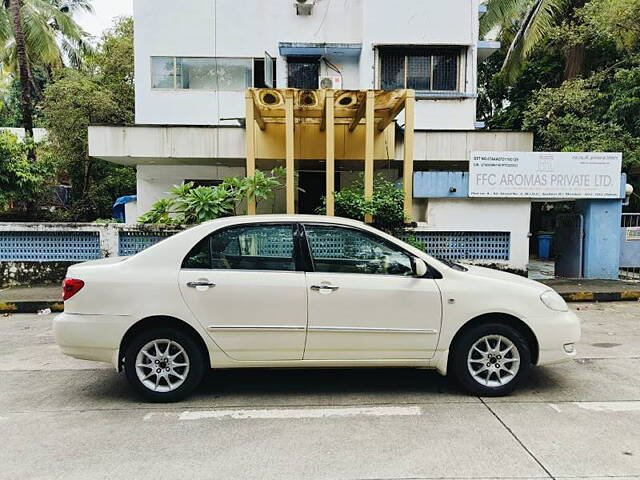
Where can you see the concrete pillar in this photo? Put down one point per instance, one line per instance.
(601, 257)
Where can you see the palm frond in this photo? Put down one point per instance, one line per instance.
(499, 14)
(539, 20)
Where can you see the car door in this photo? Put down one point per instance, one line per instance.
(243, 286)
(363, 300)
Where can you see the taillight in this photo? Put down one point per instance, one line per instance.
(71, 286)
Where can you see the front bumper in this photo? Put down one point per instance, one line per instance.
(91, 337)
(553, 333)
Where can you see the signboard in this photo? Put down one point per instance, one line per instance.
(544, 175)
(633, 233)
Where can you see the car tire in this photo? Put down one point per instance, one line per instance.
(164, 364)
(490, 360)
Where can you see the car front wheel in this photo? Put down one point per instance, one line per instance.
(491, 359)
(164, 365)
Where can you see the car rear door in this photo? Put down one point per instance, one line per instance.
(364, 302)
(243, 285)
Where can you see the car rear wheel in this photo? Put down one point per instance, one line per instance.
(491, 359)
(164, 364)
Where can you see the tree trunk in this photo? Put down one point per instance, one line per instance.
(23, 70)
(574, 61)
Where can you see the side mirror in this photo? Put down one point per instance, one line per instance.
(419, 267)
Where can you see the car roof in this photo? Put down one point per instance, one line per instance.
(284, 218)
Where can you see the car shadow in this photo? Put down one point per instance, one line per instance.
(315, 386)
(337, 381)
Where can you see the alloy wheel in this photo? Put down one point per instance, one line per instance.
(162, 365)
(493, 361)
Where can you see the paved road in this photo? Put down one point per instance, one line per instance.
(62, 418)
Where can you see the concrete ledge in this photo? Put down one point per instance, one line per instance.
(600, 296)
(30, 307)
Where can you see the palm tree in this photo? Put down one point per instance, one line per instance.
(39, 33)
(526, 23)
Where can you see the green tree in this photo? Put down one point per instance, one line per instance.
(101, 92)
(39, 33)
(527, 23)
(22, 182)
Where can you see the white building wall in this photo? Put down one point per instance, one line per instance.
(248, 28)
(481, 215)
(154, 181)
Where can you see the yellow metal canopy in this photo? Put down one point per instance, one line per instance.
(355, 124)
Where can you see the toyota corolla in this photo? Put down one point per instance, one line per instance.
(306, 291)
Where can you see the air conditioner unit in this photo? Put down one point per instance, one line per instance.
(330, 82)
(304, 7)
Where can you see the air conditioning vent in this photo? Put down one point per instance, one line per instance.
(328, 82)
(304, 7)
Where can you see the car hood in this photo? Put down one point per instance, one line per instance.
(484, 273)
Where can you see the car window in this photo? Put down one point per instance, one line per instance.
(345, 250)
(246, 247)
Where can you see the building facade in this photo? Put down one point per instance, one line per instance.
(195, 60)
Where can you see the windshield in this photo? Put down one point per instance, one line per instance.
(454, 265)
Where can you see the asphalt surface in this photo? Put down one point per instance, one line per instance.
(65, 418)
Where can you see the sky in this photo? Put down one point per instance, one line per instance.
(104, 12)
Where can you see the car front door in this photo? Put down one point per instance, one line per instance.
(243, 286)
(364, 301)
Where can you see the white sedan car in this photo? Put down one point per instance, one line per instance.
(306, 291)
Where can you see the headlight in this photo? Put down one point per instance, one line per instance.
(554, 301)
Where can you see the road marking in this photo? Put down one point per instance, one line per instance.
(291, 413)
(632, 406)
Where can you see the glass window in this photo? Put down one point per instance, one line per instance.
(201, 73)
(253, 247)
(392, 70)
(303, 72)
(344, 250)
(419, 72)
(445, 72)
(196, 73)
(419, 69)
(162, 72)
(234, 73)
(199, 256)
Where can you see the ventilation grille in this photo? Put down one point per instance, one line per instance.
(49, 246)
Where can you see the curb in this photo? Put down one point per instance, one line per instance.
(31, 307)
(627, 295)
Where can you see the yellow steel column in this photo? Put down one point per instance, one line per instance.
(330, 150)
(250, 142)
(409, 109)
(289, 152)
(368, 148)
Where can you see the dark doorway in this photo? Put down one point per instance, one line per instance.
(314, 185)
(303, 72)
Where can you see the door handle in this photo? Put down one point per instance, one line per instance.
(200, 283)
(317, 288)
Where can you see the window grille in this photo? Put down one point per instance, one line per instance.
(49, 246)
(466, 245)
(419, 69)
(132, 242)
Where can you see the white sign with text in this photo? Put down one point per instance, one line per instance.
(545, 175)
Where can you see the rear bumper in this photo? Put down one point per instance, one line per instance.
(91, 337)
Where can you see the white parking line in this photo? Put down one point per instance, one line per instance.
(289, 413)
(630, 406)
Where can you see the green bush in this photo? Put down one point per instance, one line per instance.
(22, 182)
(190, 205)
(386, 206)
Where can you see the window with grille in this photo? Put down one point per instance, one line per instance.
(419, 69)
